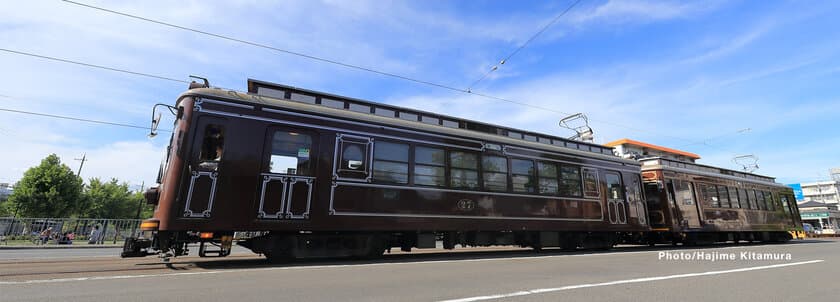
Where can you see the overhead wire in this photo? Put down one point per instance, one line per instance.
(518, 49)
(265, 46)
(93, 65)
(56, 59)
(260, 45)
(77, 119)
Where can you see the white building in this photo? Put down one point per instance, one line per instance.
(826, 192)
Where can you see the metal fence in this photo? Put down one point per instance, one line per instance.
(98, 231)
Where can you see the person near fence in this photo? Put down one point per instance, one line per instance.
(46, 235)
(94, 235)
(66, 238)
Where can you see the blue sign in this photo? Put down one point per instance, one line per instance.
(797, 191)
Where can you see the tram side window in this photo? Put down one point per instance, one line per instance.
(590, 183)
(743, 196)
(785, 203)
(494, 170)
(390, 162)
(724, 197)
(768, 201)
(463, 170)
(570, 182)
(429, 167)
(353, 156)
(757, 199)
(733, 197)
(548, 178)
(708, 195)
(614, 190)
(523, 175)
(212, 147)
(290, 153)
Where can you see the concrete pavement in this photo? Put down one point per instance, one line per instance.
(803, 270)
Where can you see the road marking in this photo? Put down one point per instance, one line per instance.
(97, 278)
(638, 280)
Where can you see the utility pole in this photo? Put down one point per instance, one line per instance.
(139, 208)
(83, 160)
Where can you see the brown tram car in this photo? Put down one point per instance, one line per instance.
(324, 175)
(694, 203)
(320, 175)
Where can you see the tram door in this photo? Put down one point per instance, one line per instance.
(206, 158)
(616, 205)
(681, 194)
(287, 174)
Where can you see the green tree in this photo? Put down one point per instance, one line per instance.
(6, 209)
(147, 210)
(50, 189)
(109, 200)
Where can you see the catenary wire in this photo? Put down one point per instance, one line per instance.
(92, 65)
(269, 47)
(56, 59)
(518, 49)
(442, 86)
(77, 119)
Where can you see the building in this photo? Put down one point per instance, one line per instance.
(824, 218)
(5, 191)
(629, 148)
(825, 192)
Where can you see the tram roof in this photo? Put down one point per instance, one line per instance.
(670, 164)
(364, 106)
(301, 99)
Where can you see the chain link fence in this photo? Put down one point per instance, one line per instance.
(67, 230)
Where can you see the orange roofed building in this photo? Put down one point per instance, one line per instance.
(629, 148)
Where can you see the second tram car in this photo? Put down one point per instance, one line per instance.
(694, 203)
(311, 174)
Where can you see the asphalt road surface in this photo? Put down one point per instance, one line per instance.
(801, 271)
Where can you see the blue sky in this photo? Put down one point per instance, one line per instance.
(689, 75)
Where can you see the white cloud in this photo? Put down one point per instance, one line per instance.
(634, 11)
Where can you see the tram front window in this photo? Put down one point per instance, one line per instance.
(212, 147)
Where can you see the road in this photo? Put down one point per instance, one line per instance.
(805, 271)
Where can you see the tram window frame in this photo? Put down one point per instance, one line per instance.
(530, 185)
(547, 180)
(461, 174)
(362, 165)
(302, 156)
(744, 198)
(490, 181)
(571, 181)
(723, 196)
(212, 148)
(420, 162)
(734, 199)
(684, 194)
(785, 202)
(591, 185)
(751, 198)
(768, 200)
(759, 200)
(708, 195)
(617, 192)
(389, 166)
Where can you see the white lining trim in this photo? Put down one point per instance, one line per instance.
(332, 210)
